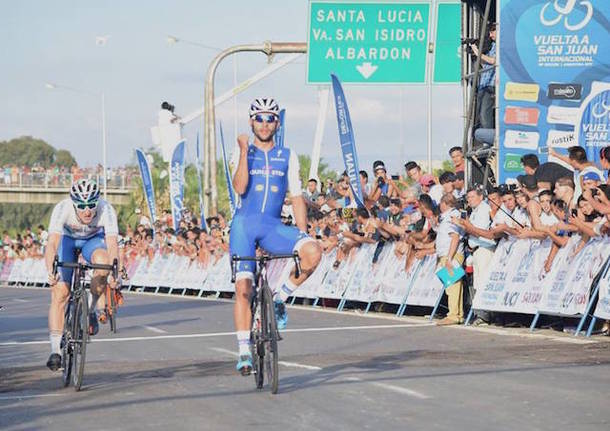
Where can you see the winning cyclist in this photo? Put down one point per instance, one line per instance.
(263, 176)
(89, 223)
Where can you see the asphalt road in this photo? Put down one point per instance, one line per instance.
(171, 366)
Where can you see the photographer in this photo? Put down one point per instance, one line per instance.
(482, 248)
(166, 114)
(382, 185)
(486, 91)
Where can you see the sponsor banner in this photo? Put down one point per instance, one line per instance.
(564, 91)
(523, 92)
(426, 286)
(512, 163)
(346, 140)
(147, 184)
(281, 130)
(593, 124)
(560, 139)
(602, 310)
(567, 287)
(202, 224)
(176, 182)
(523, 116)
(562, 115)
(230, 189)
(550, 54)
(519, 139)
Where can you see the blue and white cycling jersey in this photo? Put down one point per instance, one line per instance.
(257, 216)
(271, 175)
(76, 234)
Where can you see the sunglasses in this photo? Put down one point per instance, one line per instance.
(83, 207)
(267, 118)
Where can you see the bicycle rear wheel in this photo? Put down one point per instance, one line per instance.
(270, 339)
(81, 336)
(66, 344)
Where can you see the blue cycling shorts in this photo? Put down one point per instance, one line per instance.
(248, 231)
(87, 247)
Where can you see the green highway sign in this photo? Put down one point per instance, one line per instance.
(447, 49)
(368, 42)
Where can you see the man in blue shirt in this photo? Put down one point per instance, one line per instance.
(263, 175)
(487, 82)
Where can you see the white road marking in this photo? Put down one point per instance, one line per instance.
(284, 363)
(154, 329)
(217, 334)
(393, 388)
(20, 300)
(22, 397)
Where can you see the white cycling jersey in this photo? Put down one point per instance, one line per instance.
(65, 222)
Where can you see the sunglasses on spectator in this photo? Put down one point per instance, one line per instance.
(82, 207)
(267, 118)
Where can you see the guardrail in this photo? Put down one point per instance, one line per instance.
(46, 180)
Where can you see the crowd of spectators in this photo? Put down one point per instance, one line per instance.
(421, 213)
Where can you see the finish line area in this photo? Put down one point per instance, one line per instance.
(171, 364)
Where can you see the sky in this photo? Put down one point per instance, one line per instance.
(137, 69)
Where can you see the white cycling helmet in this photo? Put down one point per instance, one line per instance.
(84, 191)
(264, 105)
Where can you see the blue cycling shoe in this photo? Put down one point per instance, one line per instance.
(281, 317)
(244, 365)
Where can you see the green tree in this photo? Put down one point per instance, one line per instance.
(28, 151)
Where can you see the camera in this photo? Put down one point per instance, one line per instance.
(467, 41)
(395, 177)
(380, 181)
(594, 192)
(505, 188)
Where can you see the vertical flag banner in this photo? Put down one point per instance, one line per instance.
(554, 78)
(227, 171)
(346, 138)
(147, 184)
(279, 135)
(176, 182)
(198, 168)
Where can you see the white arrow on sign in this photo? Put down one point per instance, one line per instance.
(366, 69)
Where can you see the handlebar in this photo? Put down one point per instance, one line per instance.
(261, 260)
(85, 266)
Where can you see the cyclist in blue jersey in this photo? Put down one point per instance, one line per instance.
(83, 221)
(263, 175)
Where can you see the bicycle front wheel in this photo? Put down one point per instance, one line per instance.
(111, 304)
(67, 350)
(81, 336)
(270, 337)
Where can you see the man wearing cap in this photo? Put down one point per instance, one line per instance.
(382, 184)
(429, 186)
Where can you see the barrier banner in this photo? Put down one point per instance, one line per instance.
(602, 310)
(176, 183)
(395, 282)
(361, 273)
(147, 184)
(309, 288)
(347, 142)
(426, 286)
(566, 291)
(552, 59)
(514, 283)
(6, 270)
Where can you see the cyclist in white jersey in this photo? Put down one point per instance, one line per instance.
(86, 222)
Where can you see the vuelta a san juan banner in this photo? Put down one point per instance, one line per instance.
(554, 78)
(147, 184)
(176, 182)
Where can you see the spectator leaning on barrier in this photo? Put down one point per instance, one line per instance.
(546, 174)
(450, 252)
(577, 158)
